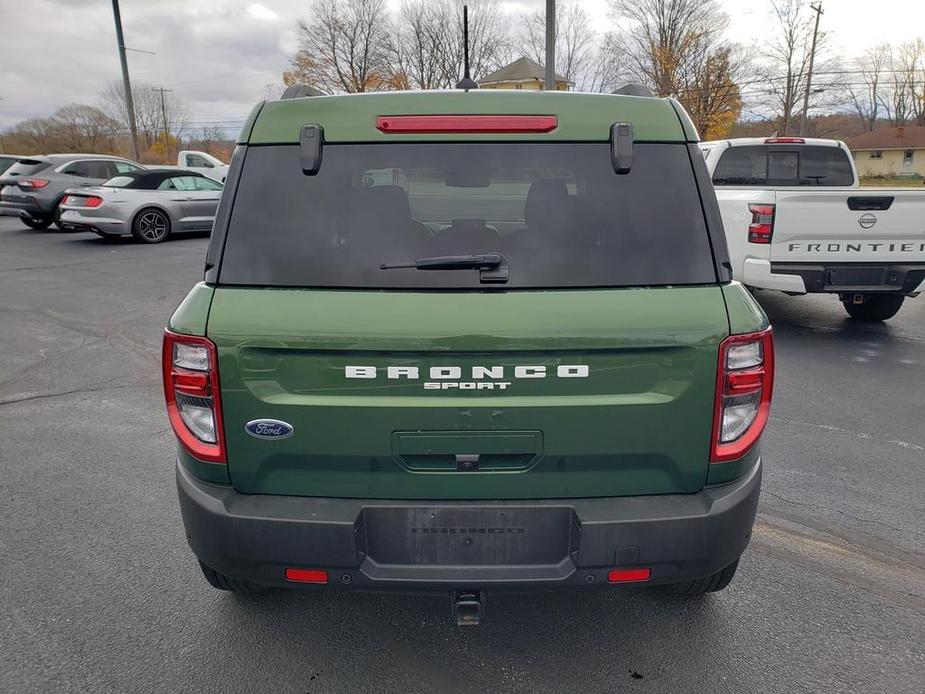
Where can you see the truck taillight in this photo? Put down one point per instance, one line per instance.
(190, 367)
(762, 227)
(744, 384)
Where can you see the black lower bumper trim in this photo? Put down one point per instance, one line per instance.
(430, 546)
(855, 277)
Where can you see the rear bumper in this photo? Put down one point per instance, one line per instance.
(837, 278)
(432, 546)
(21, 208)
(74, 220)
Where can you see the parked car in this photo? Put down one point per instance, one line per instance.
(33, 187)
(796, 221)
(201, 162)
(149, 205)
(519, 370)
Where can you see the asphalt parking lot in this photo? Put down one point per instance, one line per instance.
(99, 592)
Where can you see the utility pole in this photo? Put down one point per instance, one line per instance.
(550, 81)
(164, 114)
(126, 84)
(809, 75)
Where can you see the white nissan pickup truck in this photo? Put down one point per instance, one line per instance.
(797, 221)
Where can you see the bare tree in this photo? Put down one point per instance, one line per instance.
(911, 62)
(899, 94)
(418, 45)
(149, 115)
(609, 67)
(344, 47)
(866, 97)
(576, 43)
(786, 64)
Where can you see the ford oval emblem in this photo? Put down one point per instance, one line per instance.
(268, 429)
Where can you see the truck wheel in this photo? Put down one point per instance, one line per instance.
(223, 582)
(876, 307)
(151, 226)
(34, 223)
(710, 584)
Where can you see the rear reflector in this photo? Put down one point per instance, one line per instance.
(466, 124)
(307, 575)
(629, 575)
(785, 141)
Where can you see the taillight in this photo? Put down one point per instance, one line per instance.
(93, 202)
(744, 383)
(762, 227)
(190, 366)
(31, 182)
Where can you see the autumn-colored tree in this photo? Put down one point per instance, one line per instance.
(677, 47)
(713, 99)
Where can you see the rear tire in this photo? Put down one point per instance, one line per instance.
(151, 225)
(876, 307)
(234, 585)
(710, 584)
(37, 224)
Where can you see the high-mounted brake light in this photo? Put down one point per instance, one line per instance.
(744, 385)
(32, 182)
(190, 368)
(761, 229)
(467, 124)
(784, 141)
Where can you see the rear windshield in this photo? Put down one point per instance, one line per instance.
(774, 165)
(27, 167)
(557, 213)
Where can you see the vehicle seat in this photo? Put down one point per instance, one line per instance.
(548, 207)
(380, 217)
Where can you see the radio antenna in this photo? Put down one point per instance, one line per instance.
(466, 82)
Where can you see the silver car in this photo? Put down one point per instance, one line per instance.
(33, 187)
(149, 205)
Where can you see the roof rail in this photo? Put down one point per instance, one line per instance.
(634, 89)
(297, 91)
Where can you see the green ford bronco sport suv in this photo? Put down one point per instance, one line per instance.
(466, 342)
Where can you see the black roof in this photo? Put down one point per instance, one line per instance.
(149, 179)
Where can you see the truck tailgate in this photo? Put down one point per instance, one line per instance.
(862, 225)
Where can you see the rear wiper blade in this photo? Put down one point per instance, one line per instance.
(492, 266)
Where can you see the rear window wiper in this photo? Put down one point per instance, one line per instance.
(492, 266)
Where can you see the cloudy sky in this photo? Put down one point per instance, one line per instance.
(221, 56)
